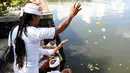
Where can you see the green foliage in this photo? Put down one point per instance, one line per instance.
(58, 0)
(3, 13)
(9, 3)
(12, 2)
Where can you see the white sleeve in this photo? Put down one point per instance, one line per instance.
(43, 33)
(46, 51)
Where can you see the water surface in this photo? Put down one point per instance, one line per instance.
(99, 34)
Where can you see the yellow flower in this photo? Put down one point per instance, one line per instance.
(98, 22)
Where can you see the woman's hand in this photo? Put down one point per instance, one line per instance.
(60, 45)
(64, 41)
(75, 9)
(67, 70)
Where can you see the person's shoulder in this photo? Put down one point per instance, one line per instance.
(31, 28)
(14, 28)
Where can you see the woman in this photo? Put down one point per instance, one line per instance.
(26, 37)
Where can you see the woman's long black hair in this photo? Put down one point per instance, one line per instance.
(20, 49)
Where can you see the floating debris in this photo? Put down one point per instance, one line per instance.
(97, 68)
(109, 68)
(98, 22)
(89, 30)
(120, 65)
(81, 64)
(86, 41)
(96, 64)
(91, 69)
(104, 37)
(103, 29)
(127, 68)
(95, 43)
(90, 66)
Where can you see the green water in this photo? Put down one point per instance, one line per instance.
(99, 34)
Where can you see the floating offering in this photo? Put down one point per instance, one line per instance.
(95, 67)
(98, 68)
(95, 43)
(120, 65)
(90, 66)
(89, 30)
(96, 64)
(109, 68)
(104, 37)
(127, 68)
(86, 41)
(91, 69)
(103, 29)
(81, 64)
(98, 22)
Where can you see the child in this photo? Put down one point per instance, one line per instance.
(54, 64)
(52, 45)
(43, 61)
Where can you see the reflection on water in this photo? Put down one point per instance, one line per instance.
(99, 35)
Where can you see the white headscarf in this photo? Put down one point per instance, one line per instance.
(54, 62)
(32, 9)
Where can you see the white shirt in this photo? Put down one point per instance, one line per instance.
(51, 45)
(34, 35)
(56, 71)
(41, 52)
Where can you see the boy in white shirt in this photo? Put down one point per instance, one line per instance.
(43, 61)
(52, 45)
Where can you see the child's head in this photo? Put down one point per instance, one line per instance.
(54, 63)
(52, 41)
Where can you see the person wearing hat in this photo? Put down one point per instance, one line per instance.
(43, 61)
(54, 64)
(25, 37)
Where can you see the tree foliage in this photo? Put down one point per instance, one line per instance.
(9, 3)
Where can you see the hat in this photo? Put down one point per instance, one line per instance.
(32, 9)
(54, 62)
